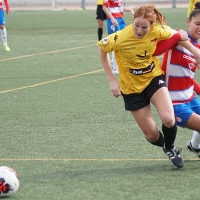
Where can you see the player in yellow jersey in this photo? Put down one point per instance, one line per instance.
(100, 17)
(141, 79)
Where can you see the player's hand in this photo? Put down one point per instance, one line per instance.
(183, 34)
(114, 87)
(114, 22)
(132, 13)
(197, 57)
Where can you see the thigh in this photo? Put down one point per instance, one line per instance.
(2, 18)
(100, 14)
(121, 23)
(111, 28)
(188, 114)
(163, 104)
(145, 120)
(193, 122)
(160, 98)
(195, 105)
(135, 101)
(182, 114)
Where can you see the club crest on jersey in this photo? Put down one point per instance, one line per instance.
(119, 4)
(191, 65)
(104, 41)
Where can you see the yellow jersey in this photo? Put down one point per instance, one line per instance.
(136, 65)
(99, 2)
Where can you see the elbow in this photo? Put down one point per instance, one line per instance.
(102, 53)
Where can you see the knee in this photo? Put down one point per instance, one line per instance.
(151, 135)
(169, 121)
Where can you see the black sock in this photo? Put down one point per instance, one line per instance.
(169, 135)
(100, 33)
(159, 142)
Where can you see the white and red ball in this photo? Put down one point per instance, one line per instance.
(9, 181)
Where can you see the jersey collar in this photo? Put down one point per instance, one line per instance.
(192, 39)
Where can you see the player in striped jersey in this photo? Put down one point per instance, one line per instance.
(2, 24)
(180, 65)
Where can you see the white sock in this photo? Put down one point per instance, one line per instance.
(195, 141)
(4, 36)
(114, 66)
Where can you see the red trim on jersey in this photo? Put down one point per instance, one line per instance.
(164, 45)
(184, 101)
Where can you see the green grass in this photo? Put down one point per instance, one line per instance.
(60, 126)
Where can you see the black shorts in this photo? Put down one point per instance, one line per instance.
(137, 101)
(100, 14)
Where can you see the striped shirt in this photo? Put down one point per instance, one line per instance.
(115, 7)
(180, 65)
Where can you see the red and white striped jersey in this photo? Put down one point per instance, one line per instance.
(1, 5)
(179, 66)
(115, 7)
(6, 4)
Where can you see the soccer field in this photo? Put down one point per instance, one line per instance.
(63, 131)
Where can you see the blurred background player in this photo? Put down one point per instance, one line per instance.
(191, 6)
(115, 22)
(100, 16)
(2, 24)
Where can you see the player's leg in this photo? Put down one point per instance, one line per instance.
(139, 106)
(3, 31)
(100, 16)
(148, 125)
(100, 29)
(162, 102)
(112, 29)
(114, 64)
(121, 25)
(188, 115)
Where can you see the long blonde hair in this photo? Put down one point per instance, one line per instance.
(149, 12)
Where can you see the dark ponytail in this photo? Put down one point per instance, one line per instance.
(197, 5)
(196, 10)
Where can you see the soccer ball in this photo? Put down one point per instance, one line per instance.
(9, 182)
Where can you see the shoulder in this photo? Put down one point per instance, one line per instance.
(162, 29)
(128, 27)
